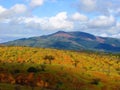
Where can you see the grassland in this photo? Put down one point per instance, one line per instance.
(25, 68)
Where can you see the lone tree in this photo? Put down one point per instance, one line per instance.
(43, 67)
(74, 61)
(49, 58)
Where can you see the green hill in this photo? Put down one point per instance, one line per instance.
(70, 41)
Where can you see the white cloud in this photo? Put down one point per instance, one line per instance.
(87, 5)
(79, 17)
(102, 22)
(35, 3)
(58, 22)
(105, 7)
(19, 8)
(2, 9)
(115, 30)
(116, 36)
(13, 12)
(104, 25)
(104, 35)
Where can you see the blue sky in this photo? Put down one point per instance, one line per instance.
(28, 18)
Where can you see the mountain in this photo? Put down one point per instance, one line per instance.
(70, 41)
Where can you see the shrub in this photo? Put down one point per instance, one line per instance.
(32, 69)
(43, 67)
(95, 81)
(16, 71)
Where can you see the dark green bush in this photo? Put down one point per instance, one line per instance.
(16, 71)
(95, 81)
(32, 69)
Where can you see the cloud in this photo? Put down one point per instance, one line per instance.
(2, 9)
(87, 5)
(57, 22)
(111, 31)
(100, 25)
(102, 22)
(79, 17)
(14, 11)
(105, 7)
(60, 21)
(104, 35)
(115, 30)
(36, 3)
(19, 8)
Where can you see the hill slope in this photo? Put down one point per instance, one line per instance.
(70, 41)
(67, 71)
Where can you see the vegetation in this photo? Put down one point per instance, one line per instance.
(25, 68)
(49, 58)
(70, 41)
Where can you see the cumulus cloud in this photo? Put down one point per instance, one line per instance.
(19, 8)
(105, 7)
(2, 9)
(14, 11)
(60, 21)
(36, 3)
(102, 22)
(113, 31)
(88, 5)
(79, 17)
(104, 35)
(100, 25)
(57, 22)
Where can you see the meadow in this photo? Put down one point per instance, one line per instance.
(26, 68)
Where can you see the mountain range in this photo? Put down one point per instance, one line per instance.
(70, 41)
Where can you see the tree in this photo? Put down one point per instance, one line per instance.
(43, 67)
(74, 61)
(49, 58)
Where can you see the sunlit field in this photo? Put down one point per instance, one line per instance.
(25, 68)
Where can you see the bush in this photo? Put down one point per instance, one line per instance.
(32, 69)
(43, 67)
(16, 71)
(95, 81)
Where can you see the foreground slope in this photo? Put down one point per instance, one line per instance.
(50, 69)
(70, 41)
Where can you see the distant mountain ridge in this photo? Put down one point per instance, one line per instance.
(70, 41)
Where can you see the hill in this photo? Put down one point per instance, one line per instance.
(70, 41)
(25, 68)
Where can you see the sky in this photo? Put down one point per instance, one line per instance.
(28, 18)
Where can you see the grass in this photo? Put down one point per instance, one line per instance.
(4, 86)
(93, 71)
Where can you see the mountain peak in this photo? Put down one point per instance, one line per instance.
(62, 34)
(74, 40)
